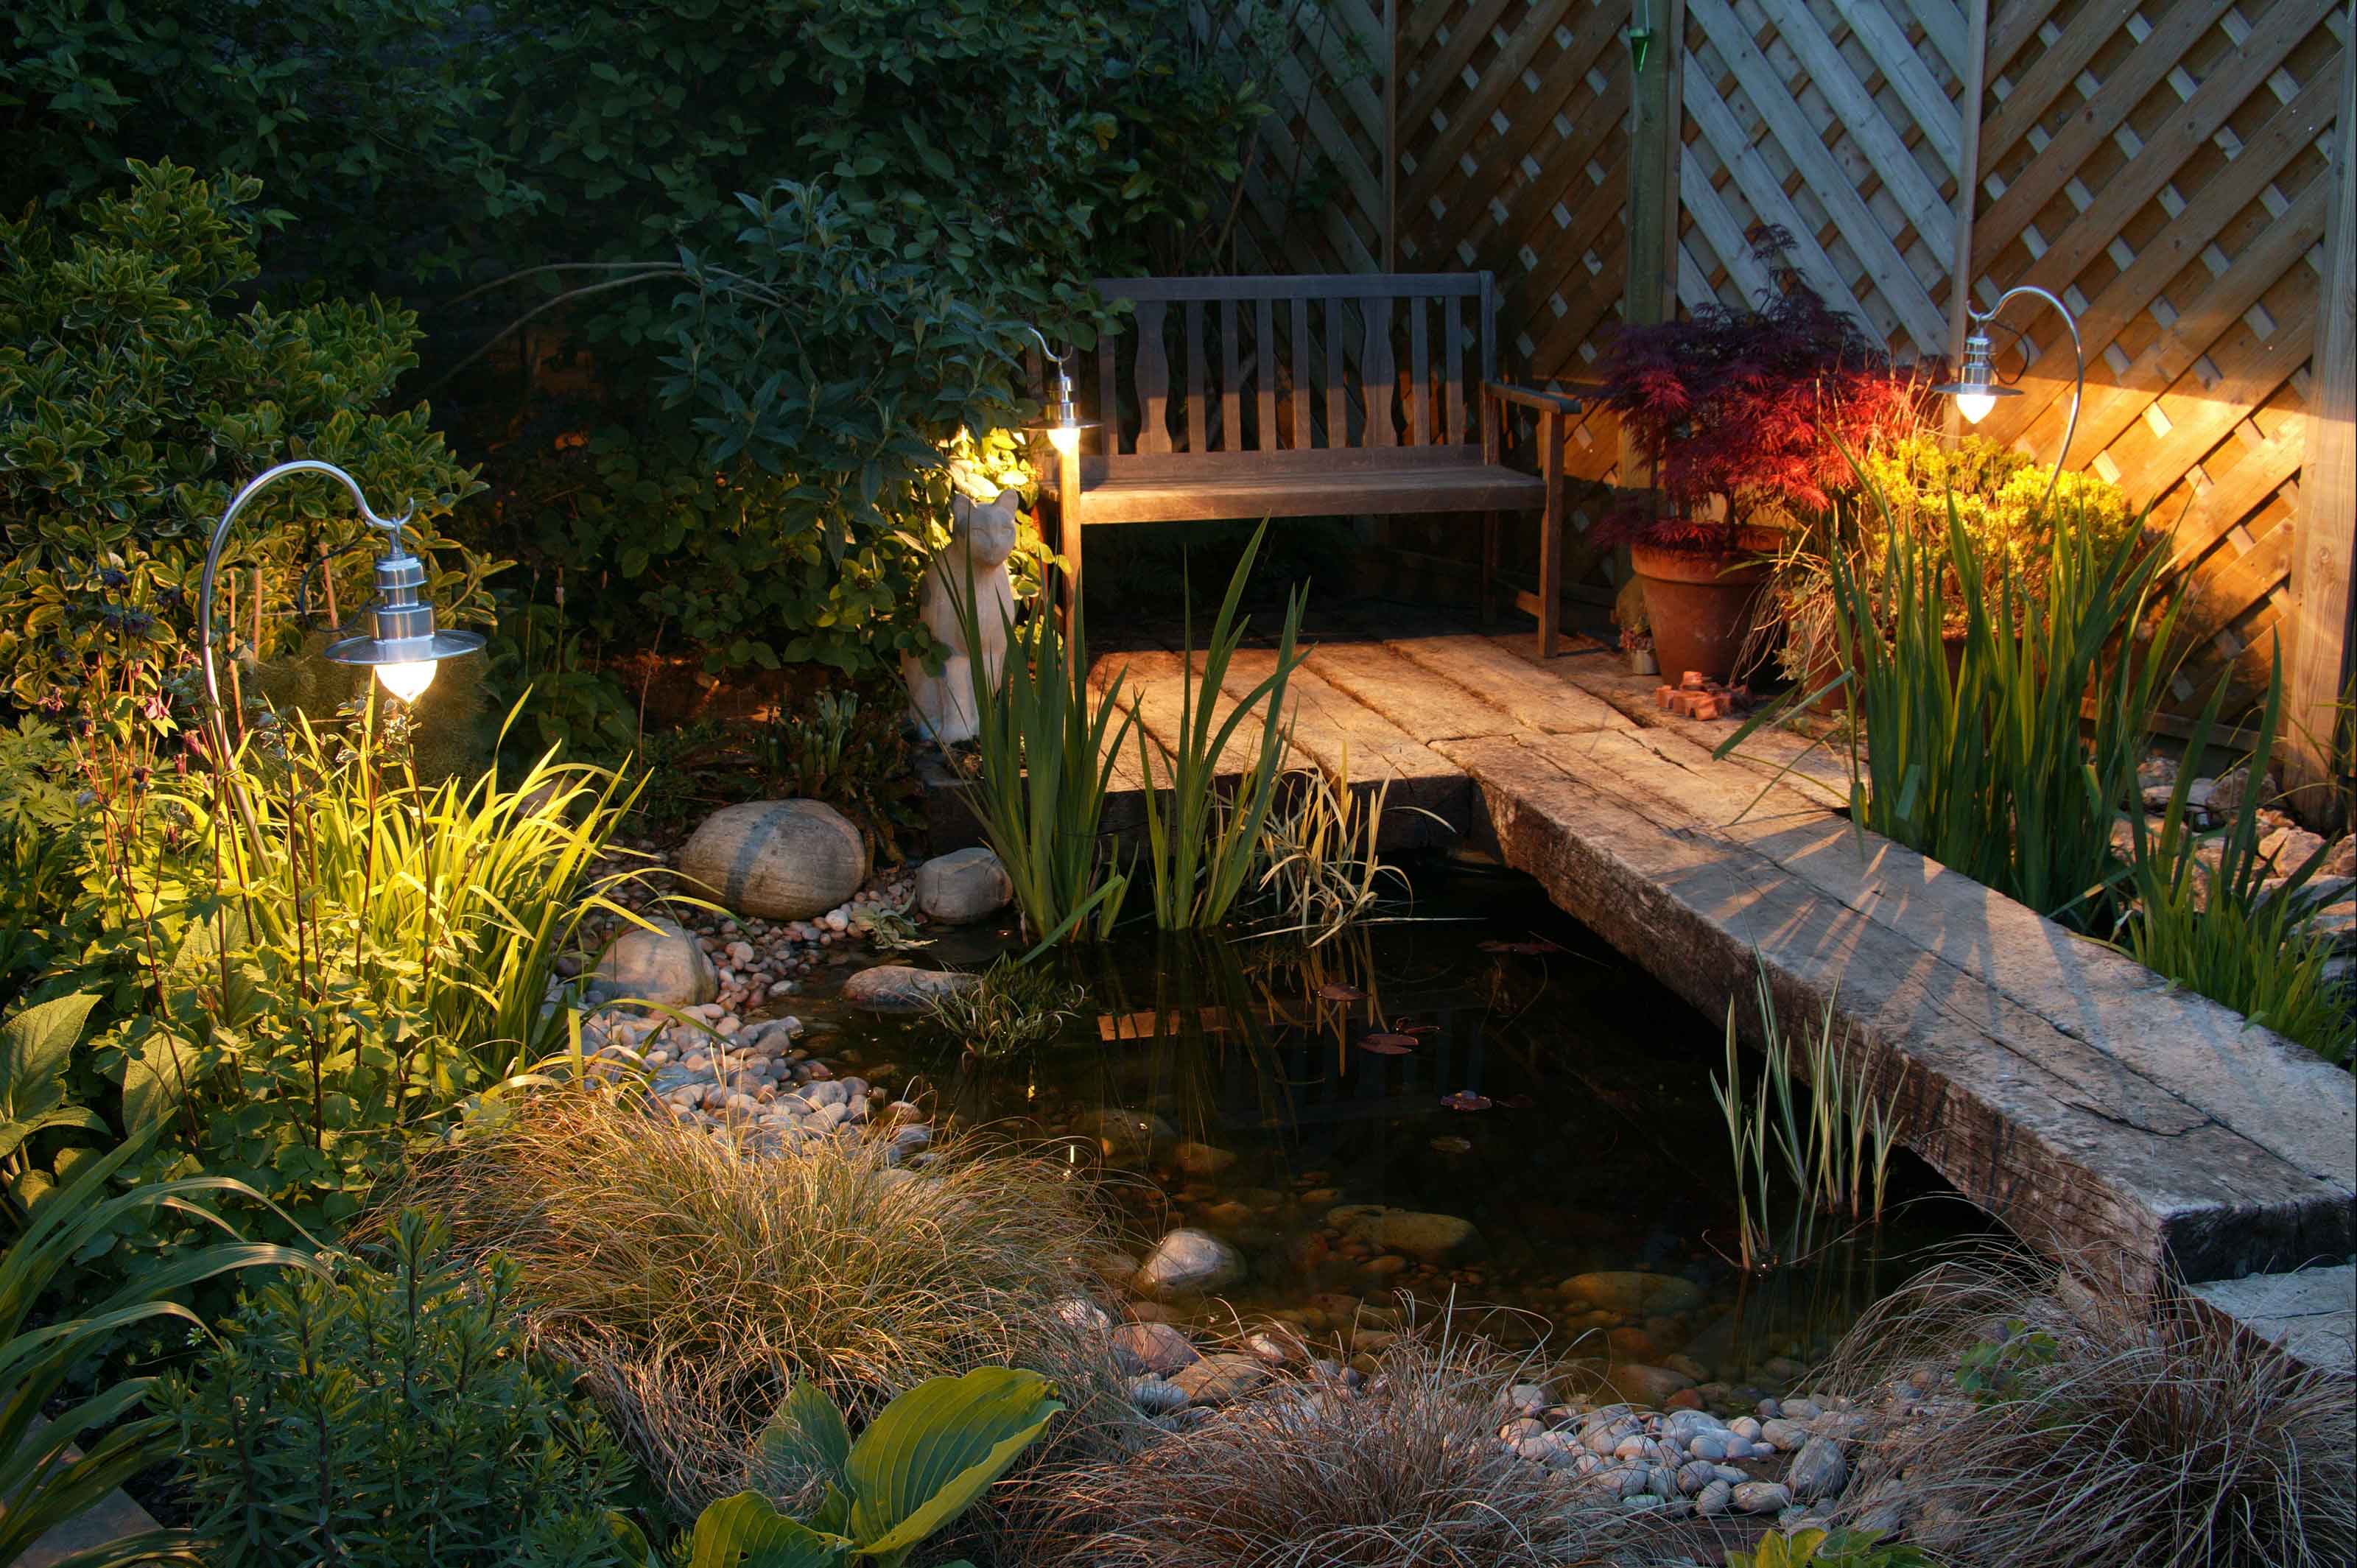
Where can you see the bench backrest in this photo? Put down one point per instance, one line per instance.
(1249, 375)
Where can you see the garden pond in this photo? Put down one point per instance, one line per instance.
(1481, 1103)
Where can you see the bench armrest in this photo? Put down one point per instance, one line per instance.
(1532, 397)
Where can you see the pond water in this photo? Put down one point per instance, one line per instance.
(1488, 1063)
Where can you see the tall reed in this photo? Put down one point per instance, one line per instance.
(1991, 769)
(1202, 840)
(2219, 928)
(1832, 1138)
(1045, 750)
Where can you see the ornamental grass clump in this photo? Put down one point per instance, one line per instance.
(2096, 1420)
(1406, 1473)
(695, 1279)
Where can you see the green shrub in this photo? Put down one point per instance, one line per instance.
(40, 845)
(133, 401)
(391, 1416)
(947, 171)
(2000, 497)
(369, 112)
(43, 1367)
(290, 1019)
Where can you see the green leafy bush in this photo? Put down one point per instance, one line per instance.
(46, 1484)
(371, 113)
(391, 1416)
(927, 1457)
(2000, 497)
(288, 1006)
(134, 399)
(40, 845)
(946, 172)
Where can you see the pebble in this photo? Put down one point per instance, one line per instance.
(1818, 1470)
(1761, 1497)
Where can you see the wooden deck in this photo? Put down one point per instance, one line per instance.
(2052, 1079)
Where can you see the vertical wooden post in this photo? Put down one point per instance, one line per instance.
(2325, 528)
(1968, 183)
(1648, 292)
(1391, 135)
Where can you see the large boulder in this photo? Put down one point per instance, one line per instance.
(664, 965)
(1189, 1262)
(782, 860)
(963, 887)
(900, 988)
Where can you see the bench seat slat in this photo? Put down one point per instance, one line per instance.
(1424, 487)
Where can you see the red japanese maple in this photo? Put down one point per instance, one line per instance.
(1751, 406)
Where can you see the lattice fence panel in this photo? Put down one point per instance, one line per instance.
(1837, 121)
(1513, 156)
(1315, 198)
(2161, 166)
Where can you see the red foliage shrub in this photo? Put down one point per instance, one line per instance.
(1751, 406)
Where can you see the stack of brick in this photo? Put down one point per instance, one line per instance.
(1697, 696)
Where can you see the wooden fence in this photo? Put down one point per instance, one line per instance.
(2169, 168)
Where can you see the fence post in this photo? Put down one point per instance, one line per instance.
(1968, 176)
(1649, 288)
(2326, 523)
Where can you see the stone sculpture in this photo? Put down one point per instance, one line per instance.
(981, 540)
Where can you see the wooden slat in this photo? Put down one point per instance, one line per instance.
(1231, 374)
(1153, 380)
(1419, 385)
(1376, 377)
(1453, 359)
(1338, 432)
(1301, 431)
(1264, 374)
(1198, 422)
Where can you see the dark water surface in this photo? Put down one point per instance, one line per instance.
(1522, 1077)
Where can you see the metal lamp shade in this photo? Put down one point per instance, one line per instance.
(400, 632)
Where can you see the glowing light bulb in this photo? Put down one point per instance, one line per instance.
(406, 680)
(1976, 406)
(1066, 438)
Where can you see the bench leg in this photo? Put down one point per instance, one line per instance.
(1491, 527)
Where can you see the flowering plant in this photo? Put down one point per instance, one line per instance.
(1745, 411)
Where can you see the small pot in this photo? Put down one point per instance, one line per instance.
(1702, 604)
(1643, 663)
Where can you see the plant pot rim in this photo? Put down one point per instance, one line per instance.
(1672, 564)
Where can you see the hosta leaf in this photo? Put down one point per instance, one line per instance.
(746, 1531)
(936, 1448)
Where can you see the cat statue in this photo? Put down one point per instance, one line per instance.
(981, 539)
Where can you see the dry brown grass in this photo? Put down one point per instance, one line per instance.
(2124, 1432)
(1408, 1473)
(692, 1281)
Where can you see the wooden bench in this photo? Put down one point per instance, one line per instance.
(1349, 396)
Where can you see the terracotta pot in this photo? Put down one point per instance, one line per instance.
(1701, 603)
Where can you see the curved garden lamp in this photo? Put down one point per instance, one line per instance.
(1976, 388)
(399, 642)
(1060, 422)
